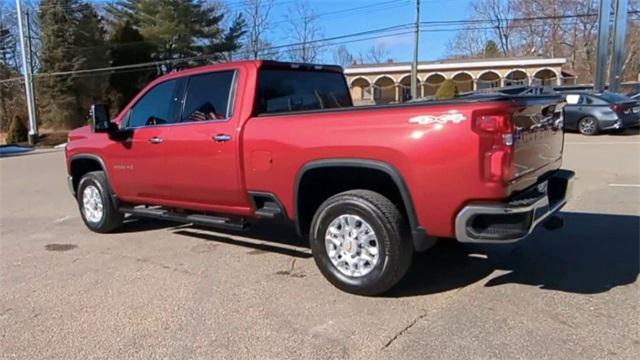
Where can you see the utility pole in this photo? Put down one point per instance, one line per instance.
(28, 78)
(604, 19)
(29, 38)
(619, 37)
(414, 65)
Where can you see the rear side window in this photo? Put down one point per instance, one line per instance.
(208, 97)
(156, 107)
(282, 90)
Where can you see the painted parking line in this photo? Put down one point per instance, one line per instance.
(601, 143)
(625, 185)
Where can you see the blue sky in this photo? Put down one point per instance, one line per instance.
(433, 46)
(335, 19)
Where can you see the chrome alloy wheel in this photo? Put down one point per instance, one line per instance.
(588, 126)
(92, 206)
(352, 245)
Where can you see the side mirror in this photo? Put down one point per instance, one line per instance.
(100, 121)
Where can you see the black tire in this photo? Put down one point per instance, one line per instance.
(391, 230)
(588, 126)
(111, 218)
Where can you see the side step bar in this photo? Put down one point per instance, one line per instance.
(197, 219)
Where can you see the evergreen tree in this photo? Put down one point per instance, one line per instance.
(72, 39)
(57, 94)
(182, 28)
(447, 90)
(127, 46)
(92, 52)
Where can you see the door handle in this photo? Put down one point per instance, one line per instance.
(156, 140)
(222, 137)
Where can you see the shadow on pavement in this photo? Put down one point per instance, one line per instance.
(593, 253)
(281, 239)
(134, 224)
(632, 131)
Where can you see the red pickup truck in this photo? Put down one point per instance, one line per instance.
(224, 145)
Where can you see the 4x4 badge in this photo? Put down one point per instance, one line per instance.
(451, 116)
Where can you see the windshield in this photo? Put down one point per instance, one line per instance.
(286, 90)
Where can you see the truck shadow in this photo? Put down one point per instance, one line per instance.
(280, 240)
(592, 254)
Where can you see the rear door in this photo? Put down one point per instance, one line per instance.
(573, 110)
(202, 151)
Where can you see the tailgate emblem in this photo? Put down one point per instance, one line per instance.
(451, 116)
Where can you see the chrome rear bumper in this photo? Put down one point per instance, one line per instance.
(498, 223)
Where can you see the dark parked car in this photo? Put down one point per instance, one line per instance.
(590, 113)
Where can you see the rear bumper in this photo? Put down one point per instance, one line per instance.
(622, 122)
(490, 222)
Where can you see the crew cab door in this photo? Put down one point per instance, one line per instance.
(138, 163)
(202, 151)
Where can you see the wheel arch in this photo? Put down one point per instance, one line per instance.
(420, 238)
(81, 164)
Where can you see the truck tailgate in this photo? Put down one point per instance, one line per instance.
(537, 139)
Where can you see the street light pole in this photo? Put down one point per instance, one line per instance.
(28, 78)
(414, 65)
(619, 38)
(604, 19)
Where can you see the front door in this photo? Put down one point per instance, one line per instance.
(203, 150)
(138, 164)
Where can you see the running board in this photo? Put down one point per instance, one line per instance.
(196, 219)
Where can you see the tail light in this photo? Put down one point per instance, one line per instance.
(496, 146)
(616, 108)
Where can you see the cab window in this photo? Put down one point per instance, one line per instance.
(208, 97)
(157, 106)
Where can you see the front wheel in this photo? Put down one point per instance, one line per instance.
(96, 206)
(360, 242)
(588, 126)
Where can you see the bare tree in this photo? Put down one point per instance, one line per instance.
(548, 28)
(468, 42)
(257, 14)
(303, 24)
(377, 54)
(342, 56)
(499, 13)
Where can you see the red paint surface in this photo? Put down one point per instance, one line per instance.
(442, 165)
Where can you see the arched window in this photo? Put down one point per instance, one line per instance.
(546, 77)
(384, 90)
(516, 77)
(488, 79)
(361, 89)
(405, 88)
(431, 84)
(463, 81)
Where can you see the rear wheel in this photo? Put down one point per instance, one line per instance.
(96, 207)
(588, 126)
(360, 242)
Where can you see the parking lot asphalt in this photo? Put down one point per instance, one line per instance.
(161, 290)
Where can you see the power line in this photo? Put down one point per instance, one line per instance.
(385, 31)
